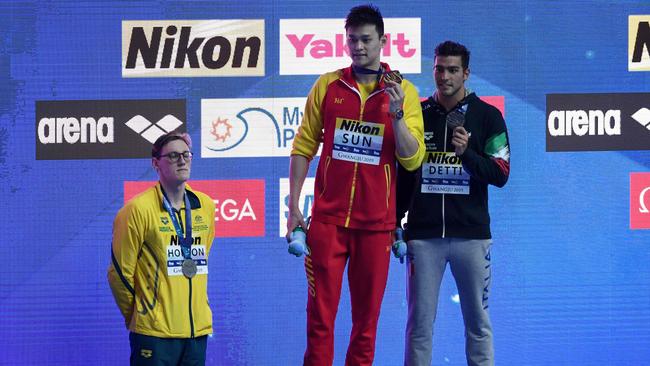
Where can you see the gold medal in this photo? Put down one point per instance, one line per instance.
(394, 76)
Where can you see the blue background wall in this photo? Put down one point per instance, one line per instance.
(571, 281)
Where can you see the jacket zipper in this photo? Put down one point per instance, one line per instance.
(190, 307)
(444, 228)
(190, 284)
(356, 165)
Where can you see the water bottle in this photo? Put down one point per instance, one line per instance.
(298, 242)
(399, 246)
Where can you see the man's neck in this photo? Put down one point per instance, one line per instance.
(449, 102)
(175, 193)
(363, 78)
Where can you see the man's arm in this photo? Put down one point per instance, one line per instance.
(405, 184)
(492, 165)
(305, 146)
(297, 172)
(127, 242)
(408, 130)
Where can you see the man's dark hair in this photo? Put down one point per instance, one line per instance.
(450, 48)
(365, 14)
(167, 138)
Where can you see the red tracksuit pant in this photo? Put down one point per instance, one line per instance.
(368, 253)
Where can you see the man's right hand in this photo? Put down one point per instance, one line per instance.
(295, 219)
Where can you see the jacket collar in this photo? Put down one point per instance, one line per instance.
(469, 96)
(347, 74)
(193, 198)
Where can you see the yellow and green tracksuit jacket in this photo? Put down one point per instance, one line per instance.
(145, 273)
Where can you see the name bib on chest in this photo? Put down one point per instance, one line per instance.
(175, 259)
(358, 141)
(442, 172)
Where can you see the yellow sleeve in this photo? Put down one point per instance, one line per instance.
(128, 238)
(414, 123)
(310, 133)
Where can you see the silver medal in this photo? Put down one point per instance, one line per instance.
(189, 268)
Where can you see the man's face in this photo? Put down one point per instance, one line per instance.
(450, 76)
(365, 46)
(171, 170)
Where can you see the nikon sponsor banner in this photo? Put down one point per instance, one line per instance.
(638, 43)
(597, 122)
(192, 48)
(104, 129)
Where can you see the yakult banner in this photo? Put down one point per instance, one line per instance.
(316, 46)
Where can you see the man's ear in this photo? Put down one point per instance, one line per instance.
(154, 164)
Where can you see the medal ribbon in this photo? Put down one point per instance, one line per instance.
(366, 71)
(184, 240)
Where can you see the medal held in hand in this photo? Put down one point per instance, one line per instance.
(394, 76)
(455, 118)
(189, 268)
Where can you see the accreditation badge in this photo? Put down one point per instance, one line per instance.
(177, 264)
(358, 141)
(443, 172)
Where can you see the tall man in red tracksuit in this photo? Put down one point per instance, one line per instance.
(366, 123)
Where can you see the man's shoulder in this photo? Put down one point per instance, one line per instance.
(329, 77)
(141, 202)
(477, 102)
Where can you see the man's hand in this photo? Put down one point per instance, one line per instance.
(295, 219)
(395, 95)
(460, 140)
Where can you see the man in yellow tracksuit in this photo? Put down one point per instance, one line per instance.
(158, 271)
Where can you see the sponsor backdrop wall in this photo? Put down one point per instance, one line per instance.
(86, 86)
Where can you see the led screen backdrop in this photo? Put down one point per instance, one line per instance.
(86, 86)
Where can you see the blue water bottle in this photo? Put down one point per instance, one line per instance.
(399, 246)
(298, 242)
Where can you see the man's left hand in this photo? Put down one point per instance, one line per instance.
(460, 140)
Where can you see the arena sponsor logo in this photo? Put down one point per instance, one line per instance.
(639, 200)
(316, 46)
(306, 202)
(638, 43)
(104, 129)
(597, 122)
(249, 127)
(193, 48)
(240, 204)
